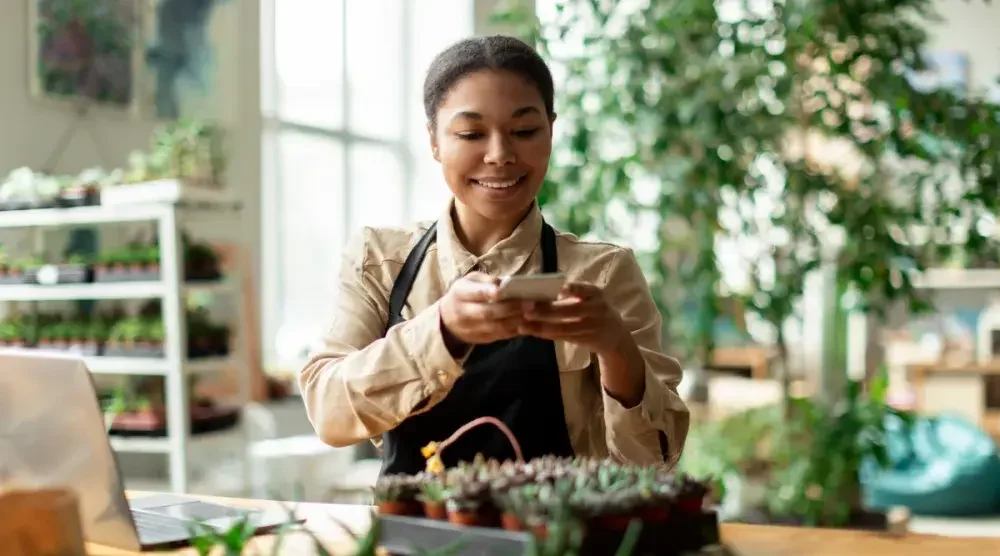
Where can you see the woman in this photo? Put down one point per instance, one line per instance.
(420, 344)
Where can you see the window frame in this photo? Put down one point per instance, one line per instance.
(274, 125)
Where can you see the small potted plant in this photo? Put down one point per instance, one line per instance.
(433, 495)
(151, 337)
(110, 266)
(201, 262)
(11, 334)
(689, 495)
(75, 192)
(123, 338)
(11, 270)
(396, 495)
(46, 334)
(468, 503)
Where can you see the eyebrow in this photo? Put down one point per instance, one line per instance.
(524, 110)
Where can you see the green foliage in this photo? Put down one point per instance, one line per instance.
(722, 121)
(819, 477)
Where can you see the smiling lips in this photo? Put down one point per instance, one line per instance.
(495, 183)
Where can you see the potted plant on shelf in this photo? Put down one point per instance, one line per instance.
(200, 261)
(12, 333)
(150, 340)
(110, 266)
(123, 338)
(397, 495)
(11, 270)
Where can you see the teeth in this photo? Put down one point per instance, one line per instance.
(497, 184)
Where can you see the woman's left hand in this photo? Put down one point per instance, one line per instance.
(581, 316)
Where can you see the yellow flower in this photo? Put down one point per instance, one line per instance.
(435, 465)
(429, 450)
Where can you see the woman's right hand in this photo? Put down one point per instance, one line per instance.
(471, 313)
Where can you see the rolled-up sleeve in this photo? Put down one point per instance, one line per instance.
(359, 384)
(655, 430)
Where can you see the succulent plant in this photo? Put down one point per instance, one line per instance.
(396, 488)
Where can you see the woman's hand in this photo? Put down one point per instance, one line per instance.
(581, 316)
(471, 314)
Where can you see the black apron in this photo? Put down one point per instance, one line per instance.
(516, 381)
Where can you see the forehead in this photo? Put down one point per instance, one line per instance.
(491, 93)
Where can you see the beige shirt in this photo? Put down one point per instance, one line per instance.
(361, 384)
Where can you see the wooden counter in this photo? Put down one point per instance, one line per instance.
(742, 540)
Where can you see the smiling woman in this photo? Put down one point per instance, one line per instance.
(421, 342)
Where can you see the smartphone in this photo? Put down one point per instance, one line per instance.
(532, 287)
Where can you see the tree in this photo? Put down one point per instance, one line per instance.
(790, 129)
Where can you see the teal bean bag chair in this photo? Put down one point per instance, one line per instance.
(945, 466)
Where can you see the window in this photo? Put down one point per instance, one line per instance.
(344, 144)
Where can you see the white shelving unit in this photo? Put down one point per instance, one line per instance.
(168, 215)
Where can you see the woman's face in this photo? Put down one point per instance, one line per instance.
(493, 139)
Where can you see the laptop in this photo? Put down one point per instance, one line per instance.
(52, 434)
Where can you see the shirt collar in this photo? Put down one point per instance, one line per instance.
(505, 258)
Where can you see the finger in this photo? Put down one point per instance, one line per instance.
(501, 329)
(561, 331)
(581, 290)
(563, 311)
(476, 288)
(479, 312)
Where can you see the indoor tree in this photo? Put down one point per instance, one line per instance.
(769, 139)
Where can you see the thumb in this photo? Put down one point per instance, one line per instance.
(476, 286)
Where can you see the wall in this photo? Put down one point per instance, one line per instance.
(32, 127)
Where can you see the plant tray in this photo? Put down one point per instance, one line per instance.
(119, 351)
(103, 275)
(204, 420)
(90, 197)
(405, 536)
(12, 279)
(63, 274)
(89, 349)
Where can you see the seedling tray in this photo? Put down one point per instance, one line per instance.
(12, 279)
(126, 275)
(118, 351)
(406, 536)
(65, 274)
(203, 421)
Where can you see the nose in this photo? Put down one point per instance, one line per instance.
(499, 151)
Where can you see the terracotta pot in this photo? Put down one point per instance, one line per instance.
(511, 522)
(396, 507)
(611, 522)
(467, 519)
(690, 505)
(435, 510)
(654, 514)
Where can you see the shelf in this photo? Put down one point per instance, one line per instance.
(958, 279)
(161, 445)
(98, 214)
(103, 290)
(153, 366)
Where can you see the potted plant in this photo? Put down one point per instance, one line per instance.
(396, 495)
(201, 262)
(469, 503)
(151, 337)
(123, 338)
(433, 495)
(76, 192)
(11, 334)
(46, 336)
(110, 266)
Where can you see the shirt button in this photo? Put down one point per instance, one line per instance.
(442, 376)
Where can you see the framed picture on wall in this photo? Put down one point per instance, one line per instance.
(85, 52)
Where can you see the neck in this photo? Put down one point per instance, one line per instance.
(479, 234)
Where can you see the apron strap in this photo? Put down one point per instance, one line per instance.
(404, 282)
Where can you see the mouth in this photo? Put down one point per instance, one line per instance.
(499, 183)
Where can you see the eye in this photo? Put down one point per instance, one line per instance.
(469, 136)
(526, 133)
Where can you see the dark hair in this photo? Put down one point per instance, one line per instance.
(494, 52)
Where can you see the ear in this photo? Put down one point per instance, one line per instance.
(432, 136)
(552, 120)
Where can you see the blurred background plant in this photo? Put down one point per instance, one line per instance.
(741, 146)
